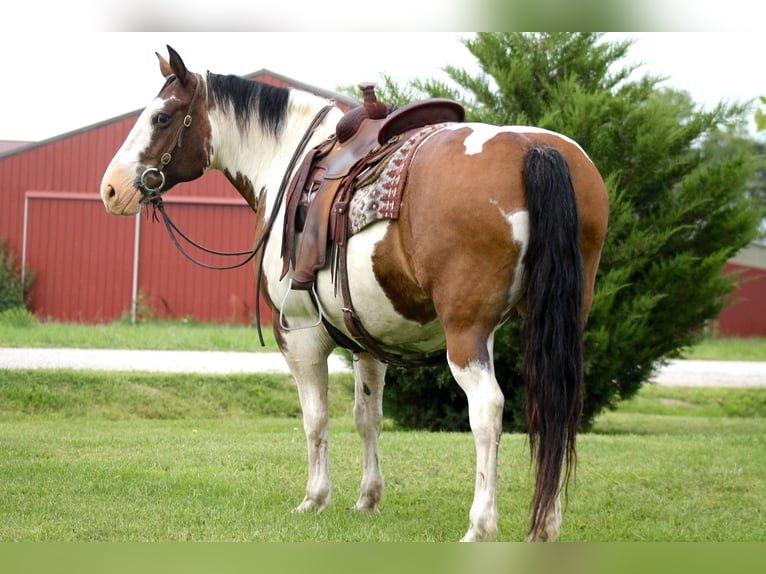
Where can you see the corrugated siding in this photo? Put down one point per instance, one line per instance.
(82, 263)
(746, 317)
(176, 288)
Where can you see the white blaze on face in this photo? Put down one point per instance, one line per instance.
(118, 190)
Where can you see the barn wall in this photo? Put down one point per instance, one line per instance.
(746, 316)
(82, 263)
(176, 288)
(70, 164)
(87, 269)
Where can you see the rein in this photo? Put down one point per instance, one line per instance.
(154, 196)
(172, 228)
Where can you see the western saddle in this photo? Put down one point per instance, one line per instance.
(319, 194)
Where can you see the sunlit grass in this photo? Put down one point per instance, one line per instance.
(20, 330)
(728, 349)
(142, 457)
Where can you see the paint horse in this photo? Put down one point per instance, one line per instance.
(492, 220)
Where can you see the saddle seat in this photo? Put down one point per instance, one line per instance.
(320, 192)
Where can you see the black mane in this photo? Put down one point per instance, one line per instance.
(249, 96)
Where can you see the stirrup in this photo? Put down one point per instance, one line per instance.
(318, 306)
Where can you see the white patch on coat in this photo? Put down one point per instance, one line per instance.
(519, 223)
(482, 133)
(262, 157)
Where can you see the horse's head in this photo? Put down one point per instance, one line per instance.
(170, 142)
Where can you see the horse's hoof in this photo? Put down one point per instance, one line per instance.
(309, 505)
(476, 535)
(366, 508)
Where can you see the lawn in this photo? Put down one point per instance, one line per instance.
(91, 456)
(20, 329)
(145, 457)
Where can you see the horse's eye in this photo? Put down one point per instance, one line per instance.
(160, 120)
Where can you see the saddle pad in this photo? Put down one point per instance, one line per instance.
(381, 198)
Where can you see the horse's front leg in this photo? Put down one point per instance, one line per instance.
(369, 379)
(473, 370)
(306, 353)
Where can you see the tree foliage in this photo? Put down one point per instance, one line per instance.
(679, 210)
(760, 116)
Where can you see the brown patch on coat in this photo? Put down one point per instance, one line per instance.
(457, 236)
(391, 268)
(245, 188)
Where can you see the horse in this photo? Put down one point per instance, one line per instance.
(493, 220)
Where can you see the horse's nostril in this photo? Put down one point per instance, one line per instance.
(112, 193)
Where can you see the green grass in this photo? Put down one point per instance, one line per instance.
(19, 329)
(158, 457)
(724, 349)
(144, 457)
(138, 395)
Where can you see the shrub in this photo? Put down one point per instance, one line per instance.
(17, 317)
(12, 292)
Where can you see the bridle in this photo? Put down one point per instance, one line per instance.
(153, 195)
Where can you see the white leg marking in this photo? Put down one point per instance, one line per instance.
(485, 410)
(306, 356)
(369, 377)
(553, 522)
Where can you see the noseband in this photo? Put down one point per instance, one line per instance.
(151, 194)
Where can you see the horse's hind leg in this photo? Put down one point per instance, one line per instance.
(470, 360)
(306, 353)
(369, 376)
(552, 524)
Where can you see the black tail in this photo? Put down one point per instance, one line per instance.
(553, 328)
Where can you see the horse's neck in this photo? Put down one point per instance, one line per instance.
(257, 159)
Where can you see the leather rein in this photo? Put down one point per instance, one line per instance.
(153, 196)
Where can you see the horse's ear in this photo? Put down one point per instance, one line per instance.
(177, 66)
(165, 68)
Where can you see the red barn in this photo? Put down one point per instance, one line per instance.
(746, 316)
(92, 267)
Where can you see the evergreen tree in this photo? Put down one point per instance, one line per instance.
(678, 212)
